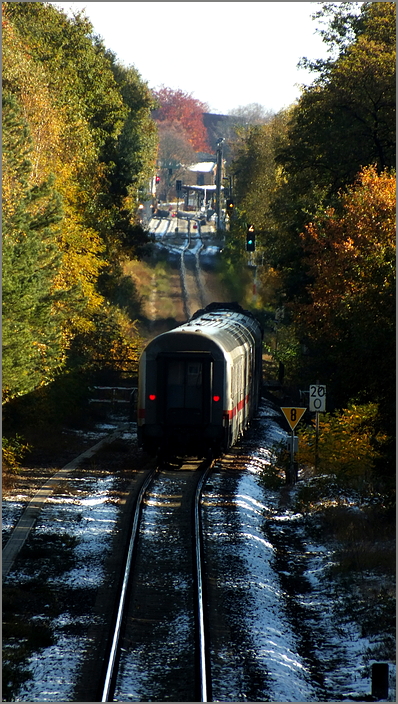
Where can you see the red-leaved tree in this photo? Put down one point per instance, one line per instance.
(179, 107)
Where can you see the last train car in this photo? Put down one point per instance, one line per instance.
(200, 384)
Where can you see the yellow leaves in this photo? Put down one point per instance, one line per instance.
(113, 343)
(348, 245)
(80, 268)
(69, 102)
(10, 191)
(13, 450)
(26, 79)
(346, 446)
(349, 252)
(65, 149)
(271, 284)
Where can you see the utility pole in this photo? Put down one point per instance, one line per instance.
(179, 191)
(218, 182)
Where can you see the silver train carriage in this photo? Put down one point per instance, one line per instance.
(200, 384)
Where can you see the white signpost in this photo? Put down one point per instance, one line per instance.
(317, 406)
(318, 398)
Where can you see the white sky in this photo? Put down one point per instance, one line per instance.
(225, 54)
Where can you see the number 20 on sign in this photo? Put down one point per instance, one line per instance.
(317, 398)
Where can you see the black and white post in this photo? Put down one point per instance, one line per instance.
(317, 405)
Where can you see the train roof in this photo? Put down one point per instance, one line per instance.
(220, 309)
(227, 326)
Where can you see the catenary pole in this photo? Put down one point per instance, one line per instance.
(218, 182)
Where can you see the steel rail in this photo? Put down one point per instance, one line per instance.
(116, 634)
(198, 269)
(183, 275)
(203, 675)
(183, 249)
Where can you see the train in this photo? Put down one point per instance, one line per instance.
(200, 384)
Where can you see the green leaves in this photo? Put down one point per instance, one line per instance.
(32, 328)
(318, 183)
(79, 147)
(346, 119)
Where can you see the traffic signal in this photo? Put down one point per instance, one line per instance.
(230, 206)
(157, 179)
(250, 239)
(178, 186)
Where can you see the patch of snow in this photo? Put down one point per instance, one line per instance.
(53, 672)
(90, 516)
(294, 637)
(291, 637)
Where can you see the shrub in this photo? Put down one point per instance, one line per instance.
(14, 449)
(346, 447)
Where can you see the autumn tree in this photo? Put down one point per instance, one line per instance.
(32, 321)
(348, 323)
(284, 176)
(79, 148)
(105, 158)
(62, 145)
(345, 448)
(345, 120)
(320, 191)
(180, 108)
(98, 96)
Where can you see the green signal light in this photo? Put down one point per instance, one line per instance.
(250, 239)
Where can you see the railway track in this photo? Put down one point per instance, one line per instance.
(160, 617)
(183, 274)
(198, 269)
(187, 244)
(192, 287)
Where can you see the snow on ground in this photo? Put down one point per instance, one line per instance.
(89, 516)
(296, 636)
(13, 505)
(293, 638)
(86, 512)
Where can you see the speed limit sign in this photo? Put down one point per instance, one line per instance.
(318, 398)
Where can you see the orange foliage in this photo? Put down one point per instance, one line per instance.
(180, 107)
(351, 253)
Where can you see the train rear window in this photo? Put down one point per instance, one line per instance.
(184, 384)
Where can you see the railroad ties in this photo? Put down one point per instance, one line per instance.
(162, 575)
